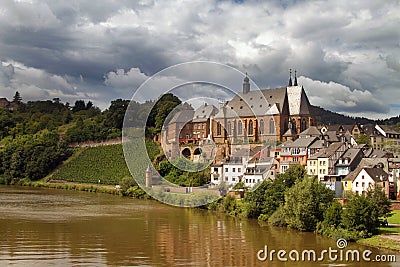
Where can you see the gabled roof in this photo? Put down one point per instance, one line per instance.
(377, 174)
(258, 103)
(303, 142)
(327, 152)
(351, 154)
(387, 129)
(185, 114)
(318, 144)
(204, 112)
(331, 136)
(298, 101)
(310, 131)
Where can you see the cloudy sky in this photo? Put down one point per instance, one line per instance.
(347, 53)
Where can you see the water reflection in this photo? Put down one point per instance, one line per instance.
(43, 227)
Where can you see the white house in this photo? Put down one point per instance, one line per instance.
(368, 178)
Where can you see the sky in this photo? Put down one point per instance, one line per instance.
(346, 53)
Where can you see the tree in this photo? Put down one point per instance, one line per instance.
(333, 215)
(305, 204)
(363, 139)
(79, 105)
(17, 98)
(114, 116)
(292, 174)
(361, 215)
(378, 196)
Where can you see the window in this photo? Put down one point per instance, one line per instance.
(239, 169)
(362, 177)
(251, 127)
(363, 184)
(240, 127)
(202, 126)
(226, 178)
(261, 126)
(233, 169)
(219, 128)
(215, 169)
(234, 128)
(356, 183)
(233, 179)
(345, 184)
(271, 126)
(226, 169)
(229, 128)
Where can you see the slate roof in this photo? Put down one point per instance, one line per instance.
(184, 114)
(331, 136)
(310, 131)
(376, 174)
(351, 154)
(204, 112)
(327, 152)
(303, 142)
(256, 103)
(388, 129)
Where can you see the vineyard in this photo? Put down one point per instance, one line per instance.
(104, 163)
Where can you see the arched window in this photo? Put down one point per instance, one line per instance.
(219, 128)
(251, 128)
(229, 130)
(261, 126)
(234, 128)
(303, 125)
(240, 128)
(271, 126)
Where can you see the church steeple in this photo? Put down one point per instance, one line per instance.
(290, 77)
(246, 84)
(295, 78)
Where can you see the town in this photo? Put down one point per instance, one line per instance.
(259, 134)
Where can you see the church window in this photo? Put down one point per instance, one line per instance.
(271, 126)
(240, 128)
(251, 128)
(261, 126)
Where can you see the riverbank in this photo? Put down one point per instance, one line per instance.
(85, 187)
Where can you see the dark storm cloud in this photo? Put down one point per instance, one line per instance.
(104, 50)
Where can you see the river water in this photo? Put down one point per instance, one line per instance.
(49, 227)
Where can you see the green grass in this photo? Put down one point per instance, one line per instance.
(390, 230)
(395, 218)
(380, 242)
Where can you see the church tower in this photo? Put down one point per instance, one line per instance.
(246, 84)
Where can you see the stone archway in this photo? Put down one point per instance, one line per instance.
(186, 153)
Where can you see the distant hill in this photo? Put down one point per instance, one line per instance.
(327, 117)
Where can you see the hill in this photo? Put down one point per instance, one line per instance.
(91, 164)
(326, 117)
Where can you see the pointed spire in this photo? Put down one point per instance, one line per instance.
(290, 77)
(295, 78)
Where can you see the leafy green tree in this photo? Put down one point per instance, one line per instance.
(293, 174)
(363, 139)
(378, 196)
(305, 204)
(333, 215)
(114, 116)
(360, 214)
(79, 105)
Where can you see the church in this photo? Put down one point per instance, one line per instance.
(254, 116)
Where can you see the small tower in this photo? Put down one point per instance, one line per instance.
(149, 177)
(295, 78)
(290, 77)
(246, 84)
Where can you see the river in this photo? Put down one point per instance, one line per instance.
(49, 227)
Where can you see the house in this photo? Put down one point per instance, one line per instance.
(348, 161)
(296, 152)
(322, 164)
(201, 121)
(368, 178)
(260, 170)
